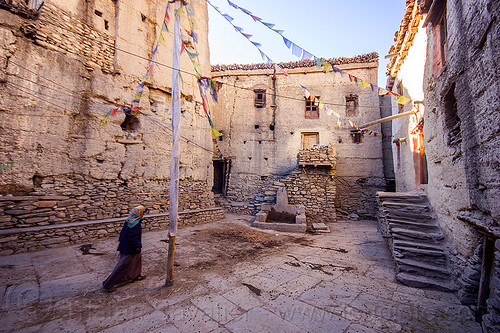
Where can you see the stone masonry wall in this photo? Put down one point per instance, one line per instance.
(313, 187)
(357, 196)
(324, 155)
(246, 191)
(51, 236)
(99, 48)
(63, 200)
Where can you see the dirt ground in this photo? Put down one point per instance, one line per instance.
(219, 246)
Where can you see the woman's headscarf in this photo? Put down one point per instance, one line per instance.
(135, 217)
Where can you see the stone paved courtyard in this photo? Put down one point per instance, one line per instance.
(337, 282)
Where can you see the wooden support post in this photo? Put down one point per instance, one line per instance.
(174, 160)
(484, 284)
(170, 263)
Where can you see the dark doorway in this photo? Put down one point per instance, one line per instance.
(221, 176)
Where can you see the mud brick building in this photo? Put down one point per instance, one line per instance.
(446, 58)
(63, 66)
(266, 120)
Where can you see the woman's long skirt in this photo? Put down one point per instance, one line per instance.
(127, 270)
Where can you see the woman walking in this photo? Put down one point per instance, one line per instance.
(129, 265)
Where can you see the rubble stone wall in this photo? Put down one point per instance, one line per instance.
(52, 32)
(313, 187)
(245, 192)
(62, 200)
(15, 241)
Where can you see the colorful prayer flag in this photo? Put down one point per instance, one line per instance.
(296, 50)
(216, 133)
(306, 55)
(227, 17)
(402, 100)
(287, 42)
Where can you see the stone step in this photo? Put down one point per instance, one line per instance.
(407, 215)
(426, 269)
(405, 205)
(413, 197)
(425, 282)
(398, 232)
(415, 224)
(278, 184)
(423, 252)
(417, 245)
(269, 192)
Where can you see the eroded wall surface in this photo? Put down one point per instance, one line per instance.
(263, 143)
(462, 121)
(60, 75)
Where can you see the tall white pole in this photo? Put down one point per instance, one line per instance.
(174, 160)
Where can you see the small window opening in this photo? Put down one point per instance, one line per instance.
(143, 17)
(250, 158)
(351, 105)
(451, 119)
(98, 13)
(271, 127)
(265, 158)
(37, 180)
(244, 142)
(356, 136)
(260, 98)
(311, 108)
(257, 126)
(131, 123)
(260, 142)
(106, 24)
(263, 177)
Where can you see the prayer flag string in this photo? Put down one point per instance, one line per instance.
(306, 56)
(204, 83)
(140, 88)
(319, 104)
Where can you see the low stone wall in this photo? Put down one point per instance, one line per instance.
(58, 200)
(315, 189)
(34, 238)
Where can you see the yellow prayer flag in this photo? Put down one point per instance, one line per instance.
(321, 106)
(216, 133)
(402, 99)
(365, 84)
(162, 40)
(327, 66)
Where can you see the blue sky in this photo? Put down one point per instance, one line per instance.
(325, 28)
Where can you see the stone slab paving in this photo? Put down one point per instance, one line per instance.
(337, 282)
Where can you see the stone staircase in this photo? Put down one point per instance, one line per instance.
(269, 195)
(415, 240)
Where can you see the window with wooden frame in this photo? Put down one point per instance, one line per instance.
(311, 108)
(260, 98)
(351, 105)
(309, 139)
